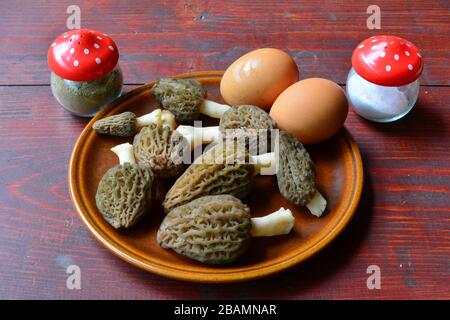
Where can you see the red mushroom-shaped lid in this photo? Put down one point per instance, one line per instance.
(82, 55)
(387, 61)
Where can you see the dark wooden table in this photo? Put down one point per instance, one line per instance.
(402, 224)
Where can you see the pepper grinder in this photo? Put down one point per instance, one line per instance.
(383, 84)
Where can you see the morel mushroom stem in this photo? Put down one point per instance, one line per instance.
(317, 204)
(277, 223)
(213, 109)
(125, 153)
(199, 135)
(159, 117)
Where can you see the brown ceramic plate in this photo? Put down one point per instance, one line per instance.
(339, 177)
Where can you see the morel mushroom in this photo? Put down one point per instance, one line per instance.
(295, 173)
(226, 168)
(246, 117)
(217, 229)
(185, 98)
(162, 149)
(247, 122)
(126, 124)
(223, 169)
(125, 191)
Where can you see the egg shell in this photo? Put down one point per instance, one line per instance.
(258, 77)
(312, 110)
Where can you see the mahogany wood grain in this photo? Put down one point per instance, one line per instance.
(402, 224)
(161, 38)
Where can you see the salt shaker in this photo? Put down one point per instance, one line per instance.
(85, 74)
(383, 84)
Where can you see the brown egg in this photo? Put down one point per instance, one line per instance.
(312, 109)
(258, 77)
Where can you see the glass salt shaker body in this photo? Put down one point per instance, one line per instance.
(86, 98)
(380, 103)
(383, 84)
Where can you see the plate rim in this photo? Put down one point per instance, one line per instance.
(219, 277)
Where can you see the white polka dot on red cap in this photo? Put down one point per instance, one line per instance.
(71, 50)
(382, 54)
(410, 67)
(388, 68)
(76, 63)
(86, 51)
(99, 38)
(98, 60)
(407, 53)
(112, 48)
(374, 40)
(96, 45)
(396, 56)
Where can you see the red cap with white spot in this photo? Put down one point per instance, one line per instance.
(387, 61)
(82, 55)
